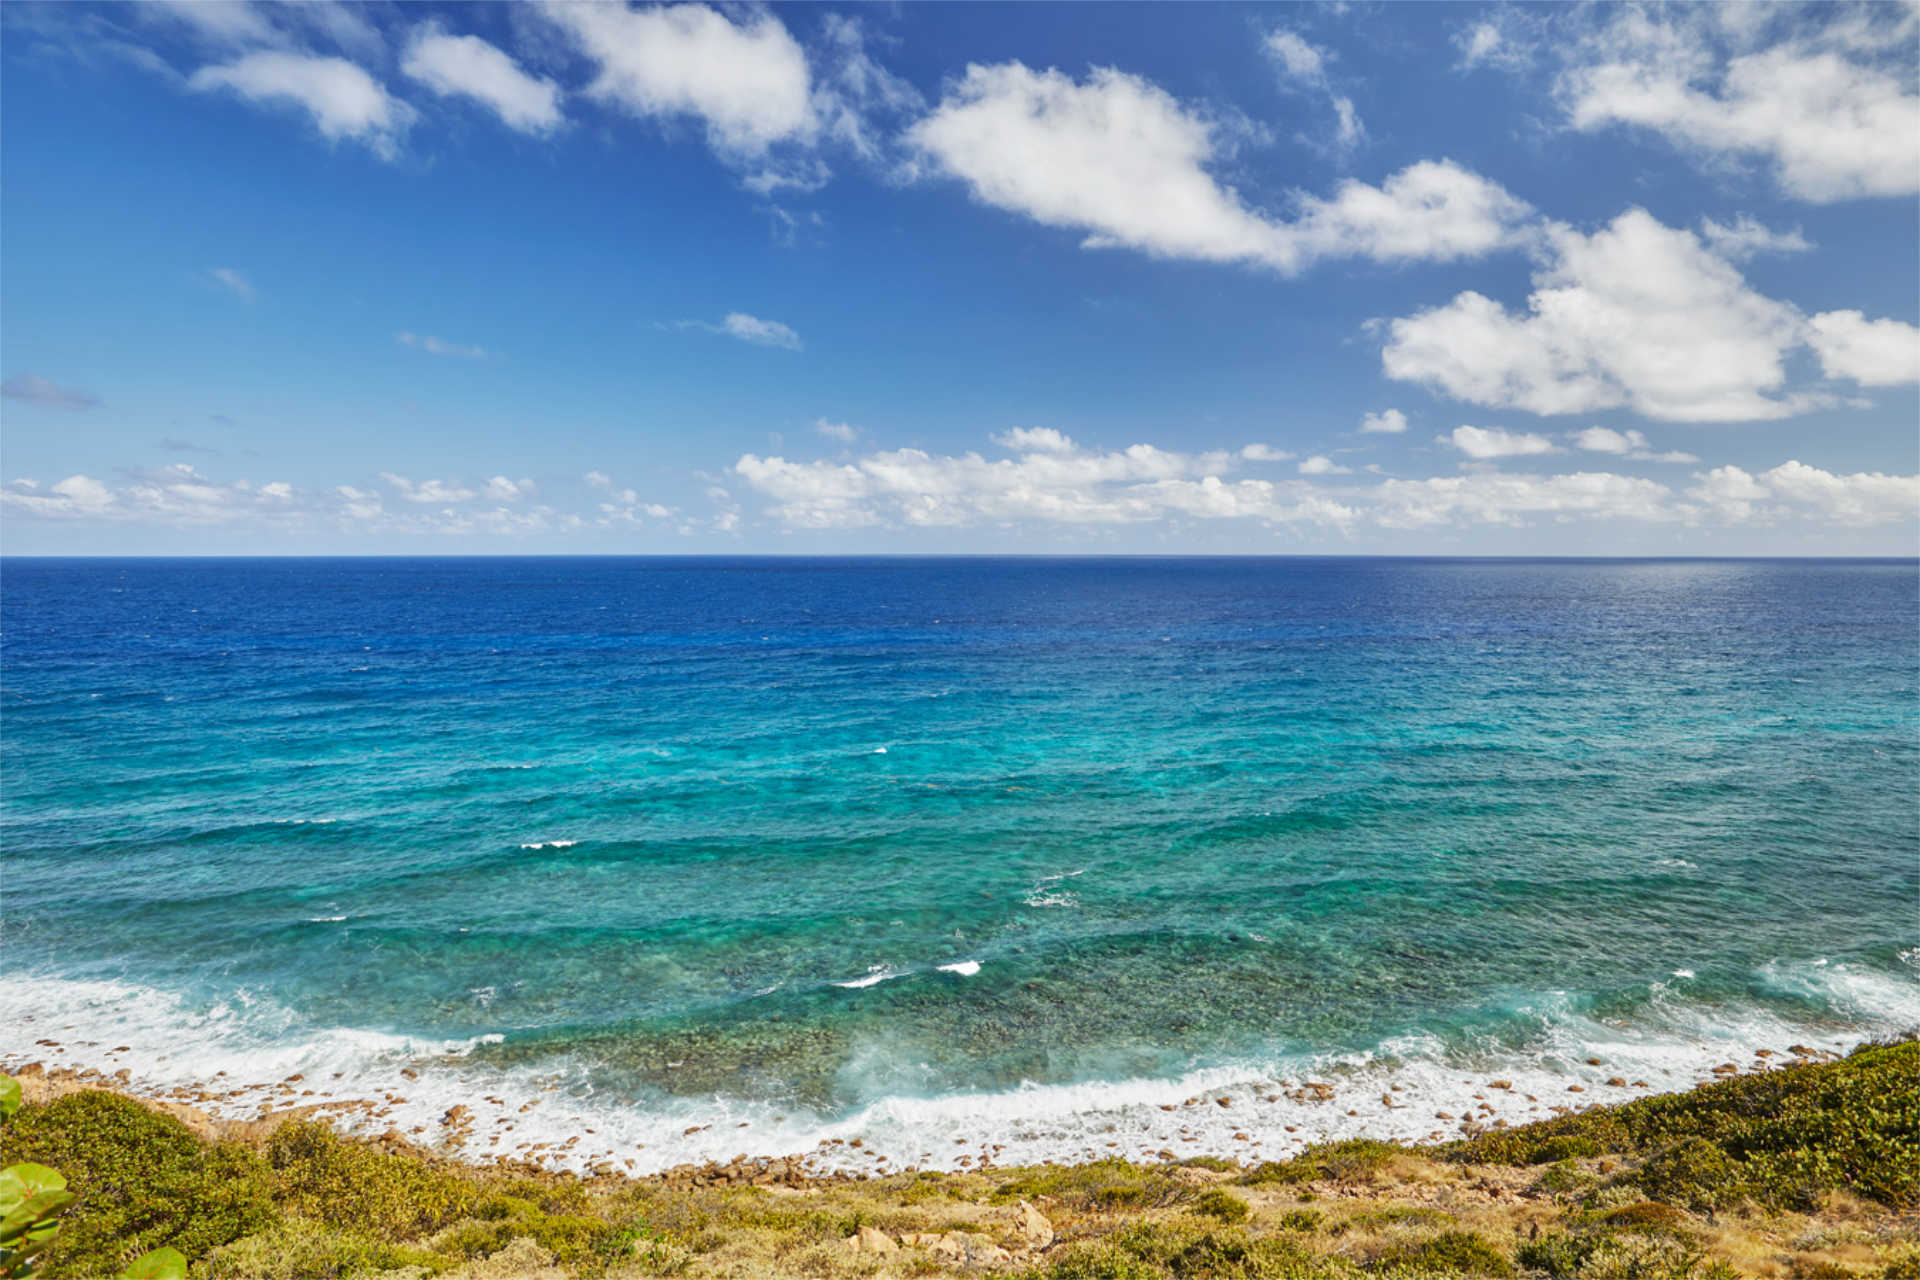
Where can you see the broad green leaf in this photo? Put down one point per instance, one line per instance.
(9, 1096)
(166, 1263)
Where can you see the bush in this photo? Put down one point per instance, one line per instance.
(1784, 1137)
(1355, 1160)
(1223, 1205)
(310, 1251)
(144, 1181)
(322, 1176)
(1452, 1253)
(1103, 1186)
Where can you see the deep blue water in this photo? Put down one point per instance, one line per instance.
(693, 838)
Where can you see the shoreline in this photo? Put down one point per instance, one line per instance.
(1219, 1115)
(1685, 1187)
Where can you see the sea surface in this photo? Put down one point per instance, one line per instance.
(964, 858)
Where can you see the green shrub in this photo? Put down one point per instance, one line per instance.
(1694, 1173)
(1355, 1160)
(1785, 1137)
(1103, 1186)
(143, 1180)
(1451, 1253)
(1587, 1256)
(321, 1176)
(311, 1251)
(1299, 1220)
(1223, 1205)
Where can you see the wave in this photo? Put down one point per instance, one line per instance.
(244, 1055)
(876, 974)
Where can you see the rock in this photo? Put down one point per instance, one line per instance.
(1501, 1084)
(1618, 1082)
(456, 1115)
(1034, 1226)
(871, 1240)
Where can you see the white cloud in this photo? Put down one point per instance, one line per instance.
(436, 491)
(1485, 443)
(845, 433)
(1388, 422)
(501, 489)
(233, 281)
(35, 389)
(1306, 64)
(1874, 353)
(344, 101)
(1746, 237)
(598, 479)
(1866, 497)
(747, 82)
(439, 346)
(1321, 465)
(1035, 440)
(1863, 498)
(762, 333)
(1829, 107)
(1492, 497)
(1636, 315)
(1628, 444)
(1730, 493)
(1050, 481)
(467, 66)
(1265, 453)
(1122, 160)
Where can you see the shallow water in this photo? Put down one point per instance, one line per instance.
(934, 851)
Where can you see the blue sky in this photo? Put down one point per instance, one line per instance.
(1346, 278)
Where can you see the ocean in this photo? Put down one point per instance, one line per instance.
(1007, 859)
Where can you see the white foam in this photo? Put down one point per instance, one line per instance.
(1683, 973)
(878, 973)
(965, 968)
(325, 919)
(551, 844)
(241, 1050)
(879, 751)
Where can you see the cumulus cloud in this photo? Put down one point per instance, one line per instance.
(1118, 158)
(1828, 106)
(1486, 443)
(1321, 465)
(1498, 498)
(1036, 440)
(1388, 422)
(1629, 444)
(501, 489)
(1636, 315)
(35, 389)
(738, 324)
(1257, 452)
(437, 491)
(467, 66)
(233, 282)
(1050, 480)
(1796, 489)
(845, 433)
(439, 346)
(1746, 237)
(343, 100)
(1874, 353)
(747, 82)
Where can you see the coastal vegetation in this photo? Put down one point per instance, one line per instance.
(1797, 1171)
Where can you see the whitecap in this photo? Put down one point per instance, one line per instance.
(1683, 973)
(878, 973)
(965, 968)
(325, 919)
(551, 844)
(879, 751)
(1038, 899)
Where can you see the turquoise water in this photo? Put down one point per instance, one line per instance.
(918, 849)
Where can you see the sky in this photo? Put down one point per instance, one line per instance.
(586, 278)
